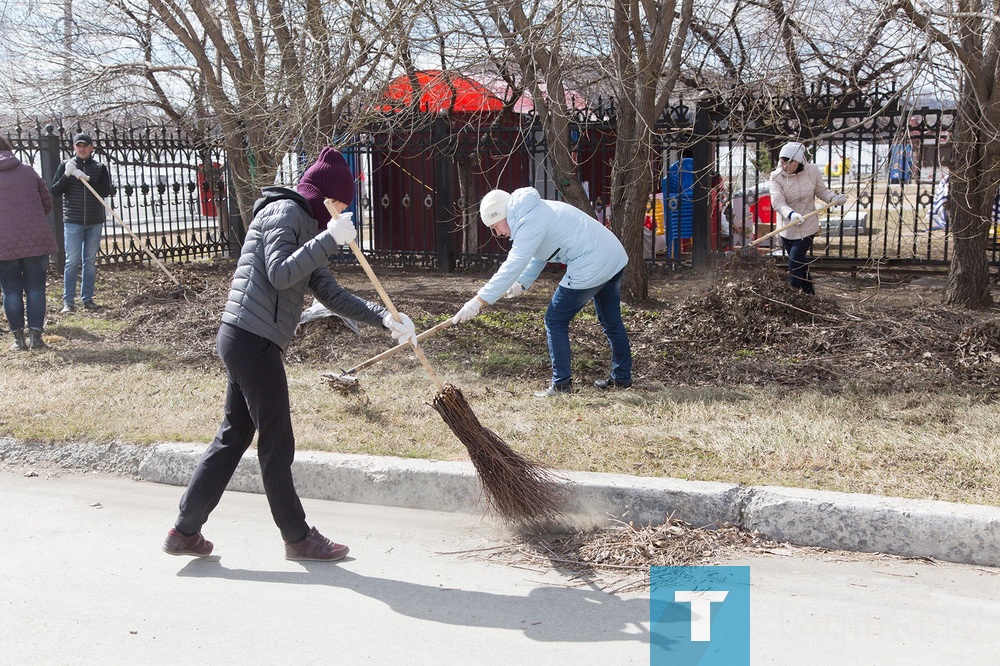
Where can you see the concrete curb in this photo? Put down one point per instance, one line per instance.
(968, 534)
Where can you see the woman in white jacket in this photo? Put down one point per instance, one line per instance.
(795, 186)
(542, 231)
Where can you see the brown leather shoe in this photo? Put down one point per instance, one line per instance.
(315, 547)
(178, 543)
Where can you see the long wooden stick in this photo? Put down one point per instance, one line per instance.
(385, 298)
(130, 232)
(398, 348)
(777, 231)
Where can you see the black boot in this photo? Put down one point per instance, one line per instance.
(35, 339)
(18, 340)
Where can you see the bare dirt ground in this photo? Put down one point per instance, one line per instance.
(728, 328)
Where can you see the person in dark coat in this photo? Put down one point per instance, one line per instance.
(83, 219)
(26, 241)
(282, 258)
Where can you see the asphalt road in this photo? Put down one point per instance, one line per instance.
(83, 581)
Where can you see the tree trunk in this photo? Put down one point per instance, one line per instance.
(968, 276)
(974, 176)
(565, 171)
(632, 182)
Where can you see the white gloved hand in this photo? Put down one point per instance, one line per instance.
(73, 170)
(795, 218)
(839, 199)
(468, 311)
(402, 331)
(516, 290)
(342, 228)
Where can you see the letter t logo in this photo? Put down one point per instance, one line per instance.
(701, 611)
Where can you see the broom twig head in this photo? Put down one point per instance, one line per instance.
(518, 489)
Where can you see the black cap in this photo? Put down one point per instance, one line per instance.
(83, 138)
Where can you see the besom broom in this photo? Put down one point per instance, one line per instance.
(518, 489)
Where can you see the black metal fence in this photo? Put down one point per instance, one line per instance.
(171, 196)
(419, 189)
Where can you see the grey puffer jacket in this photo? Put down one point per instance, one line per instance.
(24, 203)
(282, 257)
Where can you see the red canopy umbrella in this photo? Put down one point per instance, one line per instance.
(441, 91)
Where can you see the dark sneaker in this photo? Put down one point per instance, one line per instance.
(35, 339)
(91, 305)
(67, 308)
(19, 343)
(612, 383)
(315, 547)
(555, 389)
(178, 543)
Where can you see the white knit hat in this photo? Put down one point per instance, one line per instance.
(794, 150)
(493, 207)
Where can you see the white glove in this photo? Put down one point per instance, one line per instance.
(839, 199)
(468, 311)
(516, 290)
(402, 331)
(342, 228)
(72, 170)
(795, 218)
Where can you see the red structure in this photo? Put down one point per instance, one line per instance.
(440, 91)
(211, 186)
(426, 181)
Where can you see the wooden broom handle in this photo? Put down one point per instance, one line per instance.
(130, 232)
(398, 348)
(790, 225)
(385, 298)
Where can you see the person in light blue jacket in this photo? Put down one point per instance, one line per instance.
(553, 231)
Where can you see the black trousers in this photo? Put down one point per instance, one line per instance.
(256, 401)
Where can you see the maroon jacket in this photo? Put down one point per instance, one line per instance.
(24, 203)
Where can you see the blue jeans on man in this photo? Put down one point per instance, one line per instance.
(23, 281)
(82, 242)
(607, 302)
(798, 263)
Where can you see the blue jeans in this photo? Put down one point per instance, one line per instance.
(608, 304)
(798, 263)
(82, 242)
(24, 279)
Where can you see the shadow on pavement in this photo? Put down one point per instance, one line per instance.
(546, 614)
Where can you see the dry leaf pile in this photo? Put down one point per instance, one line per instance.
(620, 556)
(747, 327)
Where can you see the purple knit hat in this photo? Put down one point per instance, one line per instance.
(328, 177)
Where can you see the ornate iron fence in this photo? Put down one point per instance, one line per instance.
(419, 187)
(170, 189)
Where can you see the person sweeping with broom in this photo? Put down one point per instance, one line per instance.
(795, 186)
(282, 258)
(542, 231)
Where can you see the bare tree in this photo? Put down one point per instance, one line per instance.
(276, 76)
(647, 44)
(969, 30)
(634, 49)
(534, 41)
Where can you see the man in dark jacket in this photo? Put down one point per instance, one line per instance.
(83, 218)
(283, 257)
